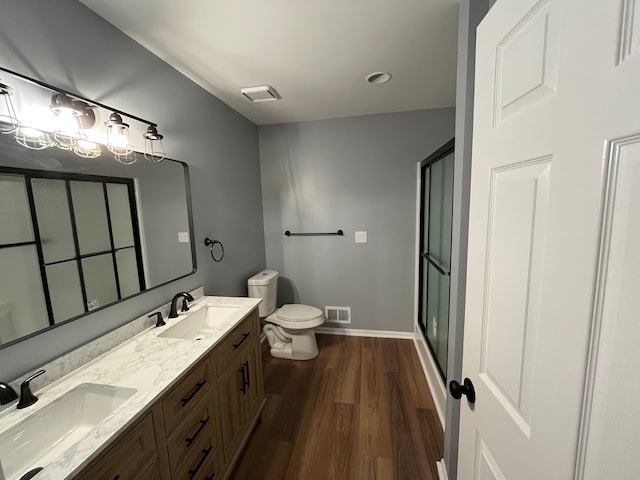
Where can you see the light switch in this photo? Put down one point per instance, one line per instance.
(361, 237)
(183, 237)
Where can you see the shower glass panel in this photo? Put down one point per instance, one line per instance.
(435, 252)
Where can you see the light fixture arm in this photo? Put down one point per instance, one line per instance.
(76, 96)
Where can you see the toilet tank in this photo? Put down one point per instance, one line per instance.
(264, 285)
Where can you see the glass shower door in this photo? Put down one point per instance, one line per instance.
(435, 252)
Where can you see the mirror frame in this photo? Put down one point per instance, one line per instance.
(187, 181)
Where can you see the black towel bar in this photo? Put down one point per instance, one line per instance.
(291, 234)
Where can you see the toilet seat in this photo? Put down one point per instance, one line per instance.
(295, 316)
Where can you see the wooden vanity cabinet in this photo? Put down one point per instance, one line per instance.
(131, 457)
(196, 431)
(240, 387)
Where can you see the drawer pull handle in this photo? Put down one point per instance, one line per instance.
(243, 389)
(195, 435)
(245, 365)
(244, 337)
(193, 394)
(205, 453)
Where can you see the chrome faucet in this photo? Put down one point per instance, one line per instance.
(173, 313)
(27, 397)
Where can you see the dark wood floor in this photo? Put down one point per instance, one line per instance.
(360, 410)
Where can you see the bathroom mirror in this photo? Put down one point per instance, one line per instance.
(81, 234)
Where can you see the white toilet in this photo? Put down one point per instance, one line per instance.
(288, 329)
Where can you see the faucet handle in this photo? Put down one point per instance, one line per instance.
(159, 320)
(185, 307)
(7, 393)
(26, 395)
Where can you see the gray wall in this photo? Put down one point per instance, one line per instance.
(66, 44)
(354, 173)
(471, 13)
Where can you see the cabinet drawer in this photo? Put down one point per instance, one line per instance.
(210, 469)
(201, 464)
(189, 437)
(228, 350)
(195, 386)
(128, 456)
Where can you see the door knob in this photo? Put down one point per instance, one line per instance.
(466, 388)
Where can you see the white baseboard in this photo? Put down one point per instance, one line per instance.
(442, 471)
(356, 332)
(436, 385)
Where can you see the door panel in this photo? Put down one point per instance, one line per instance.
(526, 58)
(486, 465)
(518, 209)
(612, 432)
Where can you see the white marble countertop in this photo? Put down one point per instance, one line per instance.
(146, 362)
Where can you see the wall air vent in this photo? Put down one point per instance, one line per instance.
(262, 93)
(337, 314)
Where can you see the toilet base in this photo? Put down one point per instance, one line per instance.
(291, 344)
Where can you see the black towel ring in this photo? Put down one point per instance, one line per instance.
(211, 244)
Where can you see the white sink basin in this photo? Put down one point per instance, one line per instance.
(202, 323)
(44, 436)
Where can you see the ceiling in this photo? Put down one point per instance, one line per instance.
(315, 54)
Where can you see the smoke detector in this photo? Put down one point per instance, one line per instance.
(262, 93)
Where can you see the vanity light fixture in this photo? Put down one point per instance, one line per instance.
(127, 158)
(68, 115)
(8, 118)
(153, 149)
(73, 115)
(87, 149)
(33, 138)
(118, 140)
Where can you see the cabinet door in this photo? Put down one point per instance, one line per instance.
(253, 373)
(232, 414)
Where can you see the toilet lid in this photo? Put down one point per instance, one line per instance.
(294, 313)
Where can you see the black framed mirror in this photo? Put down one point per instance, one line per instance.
(79, 234)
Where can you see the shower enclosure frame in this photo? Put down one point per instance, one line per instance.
(431, 263)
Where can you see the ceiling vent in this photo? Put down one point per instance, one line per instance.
(263, 93)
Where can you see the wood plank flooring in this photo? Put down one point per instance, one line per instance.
(361, 410)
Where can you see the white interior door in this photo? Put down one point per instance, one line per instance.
(553, 283)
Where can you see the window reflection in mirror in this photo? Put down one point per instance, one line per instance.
(78, 235)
